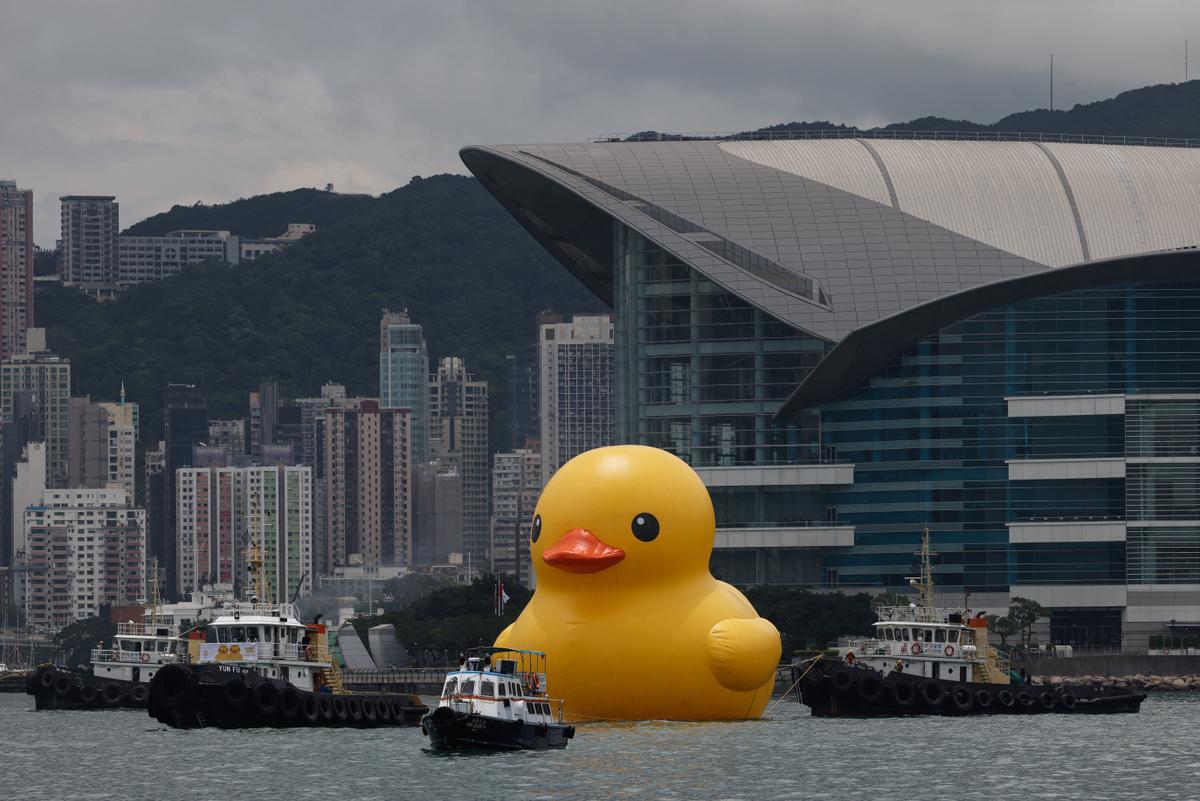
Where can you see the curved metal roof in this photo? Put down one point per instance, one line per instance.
(832, 236)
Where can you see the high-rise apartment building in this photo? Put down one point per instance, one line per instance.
(86, 548)
(404, 376)
(311, 452)
(25, 427)
(437, 514)
(264, 417)
(230, 436)
(575, 388)
(48, 376)
(27, 484)
(185, 425)
(123, 422)
(16, 266)
(224, 511)
(90, 225)
(368, 458)
(458, 420)
(516, 485)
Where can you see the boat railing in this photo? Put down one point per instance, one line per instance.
(143, 629)
(291, 651)
(912, 614)
(134, 657)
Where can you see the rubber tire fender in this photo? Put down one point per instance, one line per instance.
(383, 711)
(266, 701)
(932, 693)
(963, 698)
(1068, 701)
(235, 694)
(138, 693)
(289, 704)
(370, 712)
(169, 687)
(88, 693)
(842, 679)
(310, 709)
(904, 693)
(442, 718)
(354, 712)
(325, 707)
(63, 684)
(112, 694)
(397, 711)
(1047, 700)
(1024, 700)
(341, 710)
(45, 677)
(870, 688)
(983, 699)
(1006, 699)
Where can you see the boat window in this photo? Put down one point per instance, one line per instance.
(928, 635)
(467, 687)
(134, 645)
(514, 689)
(448, 690)
(164, 646)
(291, 635)
(939, 635)
(239, 634)
(907, 633)
(500, 688)
(887, 634)
(952, 635)
(487, 689)
(268, 634)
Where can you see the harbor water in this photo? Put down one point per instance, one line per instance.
(126, 755)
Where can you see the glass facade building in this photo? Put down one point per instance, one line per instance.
(848, 361)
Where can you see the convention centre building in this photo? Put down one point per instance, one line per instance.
(853, 338)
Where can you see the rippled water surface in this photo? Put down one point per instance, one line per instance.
(127, 755)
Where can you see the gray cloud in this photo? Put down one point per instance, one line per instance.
(165, 103)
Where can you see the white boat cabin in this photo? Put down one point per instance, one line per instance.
(270, 640)
(932, 643)
(138, 651)
(500, 691)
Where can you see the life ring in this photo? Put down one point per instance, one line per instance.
(916, 649)
(309, 652)
(949, 649)
(145, 657)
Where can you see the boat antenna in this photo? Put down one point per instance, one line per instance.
(923, 584)
(299, 584)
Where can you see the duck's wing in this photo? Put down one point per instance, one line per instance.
(743, 652)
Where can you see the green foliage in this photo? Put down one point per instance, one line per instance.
(440, 247)
(812, 619)
(45, 262)
(263, 215)
(1174, 641)
(78, 639)
(1004, 627)
(453, 617)
(1024, 613)
(890, 599)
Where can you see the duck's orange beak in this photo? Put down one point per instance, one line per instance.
(579, 551)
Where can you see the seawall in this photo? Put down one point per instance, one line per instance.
(1110, 665)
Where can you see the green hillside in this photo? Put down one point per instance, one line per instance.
(441, 247)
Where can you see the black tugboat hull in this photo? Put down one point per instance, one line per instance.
(835, 689)
(53, 688)
(449, 729)
(194, 697)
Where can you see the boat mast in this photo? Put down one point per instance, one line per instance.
(923, 584)
(254, 565)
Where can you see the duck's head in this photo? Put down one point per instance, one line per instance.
(623, 514)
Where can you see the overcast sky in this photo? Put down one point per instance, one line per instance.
(163, 103)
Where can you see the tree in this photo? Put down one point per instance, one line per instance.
(1003, 626)
(885, 599)
(1024, 613)
(807, 619)
(78, 639)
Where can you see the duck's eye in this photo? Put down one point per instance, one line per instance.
(537, 528)
(645, 526)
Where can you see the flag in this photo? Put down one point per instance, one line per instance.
(501, 597)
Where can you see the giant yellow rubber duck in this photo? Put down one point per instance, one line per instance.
(633, 624)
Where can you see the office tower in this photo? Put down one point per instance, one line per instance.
(230, 436)
(16, 266)
(516, 485)
(368, 454)
(90, 225)
(223, 511)
(437, 514)
(86, 548)
(575, 395)
(185, 425)
(458, 419)
(26, 426)
(404, 375)
(48, 376)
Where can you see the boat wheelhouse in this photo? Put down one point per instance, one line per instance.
(138, 651)
(498, 699)
(268, 639)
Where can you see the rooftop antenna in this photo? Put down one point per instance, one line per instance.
(1052, 82)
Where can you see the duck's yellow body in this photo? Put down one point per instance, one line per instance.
(633, 624)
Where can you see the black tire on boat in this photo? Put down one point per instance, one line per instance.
(341, 710)
(1024, 700)
(45, 677)
(354, 712)
(266, 701)
(842, 680)
(370, 712)
(932, 693)
(904, 693)
(63, 683)
(983, 700)
(88, 693)
(1047, 700)
(138, 693)
(235, 695)
(442, 718)
(325, 707)
(383, 711)
(310, 709)
(112, 694)
(963, 698)
(397, 711)
(1006, 699)
(289, 704)
(870, 688)
(168, 690)
(1067, 700)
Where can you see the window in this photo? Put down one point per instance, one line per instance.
(952, 635)
(487, 689)
(468, 687)
(500, 689)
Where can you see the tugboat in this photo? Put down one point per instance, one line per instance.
(257, 665)
(497, 701)
(121, 674)
(929, 661)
